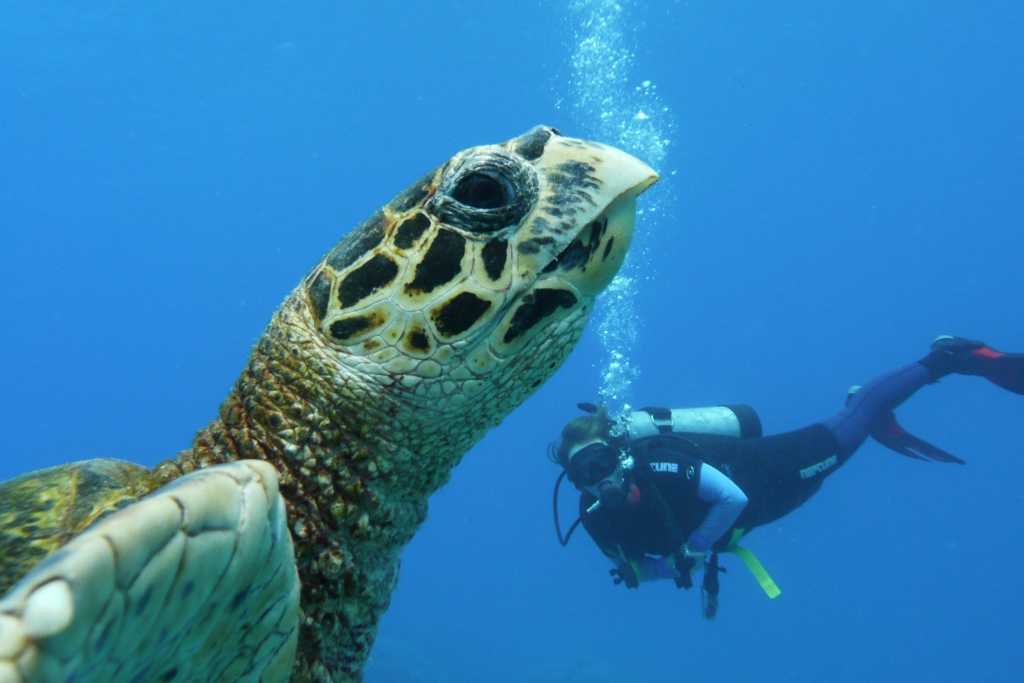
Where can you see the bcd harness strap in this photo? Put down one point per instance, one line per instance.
(753, 564)
(682, 563)
(662, 419)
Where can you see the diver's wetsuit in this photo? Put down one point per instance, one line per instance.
(777, 473)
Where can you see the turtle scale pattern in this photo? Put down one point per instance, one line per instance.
(416, 334)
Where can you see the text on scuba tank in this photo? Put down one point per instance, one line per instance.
(665, 467)
(808, 472)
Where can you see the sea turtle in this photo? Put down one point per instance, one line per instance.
(269, 549)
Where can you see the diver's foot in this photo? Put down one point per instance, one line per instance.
(970, 357)
(958, 355)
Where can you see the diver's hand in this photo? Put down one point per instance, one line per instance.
(685, 561)
(625, 573)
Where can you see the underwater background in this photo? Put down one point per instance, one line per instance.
(841, 182)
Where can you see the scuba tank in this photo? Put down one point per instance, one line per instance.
(740, 421)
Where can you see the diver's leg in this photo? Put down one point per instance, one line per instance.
(785, 470)
(873, 403)
(781, 471)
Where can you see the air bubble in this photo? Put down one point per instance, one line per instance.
(610, 107)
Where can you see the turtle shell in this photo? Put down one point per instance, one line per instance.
(41, 511)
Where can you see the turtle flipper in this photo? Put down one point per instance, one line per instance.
(196, 582)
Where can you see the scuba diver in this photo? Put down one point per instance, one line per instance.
(664, 491)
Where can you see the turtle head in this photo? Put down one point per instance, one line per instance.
(470, 288)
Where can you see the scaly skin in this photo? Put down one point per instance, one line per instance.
(419, 332)
(356, 477)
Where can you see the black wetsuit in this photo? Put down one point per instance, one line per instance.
(778, 474)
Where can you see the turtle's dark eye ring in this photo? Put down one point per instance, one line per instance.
(485, 191)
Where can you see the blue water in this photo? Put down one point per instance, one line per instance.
(842, 182)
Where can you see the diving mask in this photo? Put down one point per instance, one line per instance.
(592, 463)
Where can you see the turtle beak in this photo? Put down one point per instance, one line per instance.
(603, 184)
(599, 174)
(611, 233)
(622, 173)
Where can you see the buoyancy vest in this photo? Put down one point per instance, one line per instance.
(668, 481)
(647, 530)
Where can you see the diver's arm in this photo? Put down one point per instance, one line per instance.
(648, 568)
(655, 568)
(727, 502)
(645, 568)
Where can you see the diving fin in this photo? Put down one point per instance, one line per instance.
(893, 436)
(1005, 370)
(970, 357)
(890, 434)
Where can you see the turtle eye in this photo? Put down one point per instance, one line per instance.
(484, 191)
(480, 190)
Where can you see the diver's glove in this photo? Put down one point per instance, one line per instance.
(625, 573)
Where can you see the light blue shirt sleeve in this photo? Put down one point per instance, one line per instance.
(727, 502)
